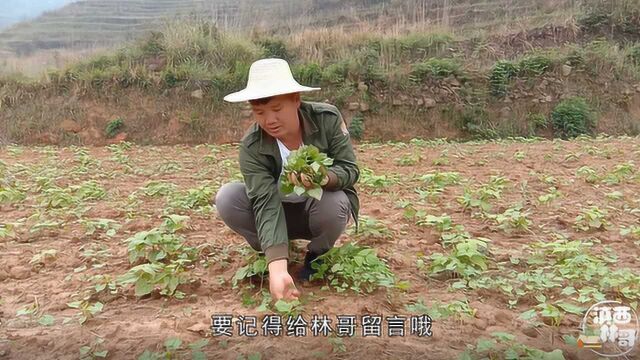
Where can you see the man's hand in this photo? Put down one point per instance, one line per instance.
(281, 284)
(303, 180)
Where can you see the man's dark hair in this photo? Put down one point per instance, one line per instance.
(261, 101)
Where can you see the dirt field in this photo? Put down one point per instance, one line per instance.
(54, 241)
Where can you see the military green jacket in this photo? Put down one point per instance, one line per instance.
(261, 165)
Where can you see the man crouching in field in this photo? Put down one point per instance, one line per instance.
(257, 209)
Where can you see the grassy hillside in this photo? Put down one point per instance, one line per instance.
(168, 87)
(98, 23)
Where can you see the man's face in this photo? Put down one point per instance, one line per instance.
(279, 117)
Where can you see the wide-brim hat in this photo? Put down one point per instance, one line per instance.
(268, 77)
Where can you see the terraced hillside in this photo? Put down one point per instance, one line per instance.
(98, 23)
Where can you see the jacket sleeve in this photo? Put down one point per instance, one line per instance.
(262, 190)
(344, 165)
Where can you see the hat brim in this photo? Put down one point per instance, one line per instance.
(253, 94)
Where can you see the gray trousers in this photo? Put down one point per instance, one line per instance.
(322, 221)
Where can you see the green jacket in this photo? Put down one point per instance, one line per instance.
(261, 165)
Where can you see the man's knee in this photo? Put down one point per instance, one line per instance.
(229, 198)
(333, 209)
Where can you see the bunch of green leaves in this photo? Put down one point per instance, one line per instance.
(513, 218)
(589, 174)
(457, 309)
(256, 265)
(159, 244)
(174, 350)
(196, 198)
(89, 190)
(620, 173)
(104, 282)
(369, 179)
(370, 228)
(94, 253)
(164, 276)
(500, 76)
(573, 117)
(11, 194)
(552, 194)
(552, 313)
(166, 259)
(440, 179)
(113, 127)
(592, 218)
(91, 352)
(158, 188)
(88, 310)
(467, 259)
(110, 227)
(505, 346)
(442, 223)
(307, 162)
(353, 267)
(480, 198)
(409, 159)
(57, 198)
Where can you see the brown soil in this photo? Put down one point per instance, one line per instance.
(130, 325)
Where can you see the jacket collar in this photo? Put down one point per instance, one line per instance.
(268, 145)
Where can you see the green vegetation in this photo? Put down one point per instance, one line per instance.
(310, 167)
(351, 267)
(573, 117)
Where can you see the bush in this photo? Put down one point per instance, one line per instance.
(425, 44)
(500, 76)
(537, 120)
(356, 127)
(308, 74)
(534, 65)
(573, 117)
(275, 48)
(475, 121)
(113, 127)
(437, 68)
(336, 73)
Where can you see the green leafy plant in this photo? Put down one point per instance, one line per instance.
(113, 127)
(369, 179)
(311, 166)
(256, 265)
(591, 218)
(589, 174)
(166, 277)
(435, 67)
(88, 310)
(164, 256)
(110, 227)
(369, 227)
(513, 219)
(357, 127)
(91, 352)
(552, 194)
(467, 259)
(353, 267)
(457, 309)
(195, 198)
(573, 117)
(500, 76)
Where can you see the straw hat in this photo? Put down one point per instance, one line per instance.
(268, 77)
